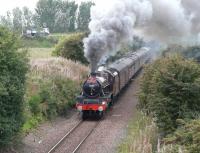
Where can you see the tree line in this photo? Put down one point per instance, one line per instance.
(58, 15)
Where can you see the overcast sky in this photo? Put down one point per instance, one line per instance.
(6, 5)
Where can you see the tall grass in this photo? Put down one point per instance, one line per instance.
(50, 67)
(142, 136)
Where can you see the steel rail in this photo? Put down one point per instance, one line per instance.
(83, 140)
(64, 137)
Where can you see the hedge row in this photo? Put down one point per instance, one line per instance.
(13, 69)
(170, 90)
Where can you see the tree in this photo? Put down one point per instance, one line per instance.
(6, 21)
(28, 20)
(72, 14)
(17, 19)
(62, 18)
(71, 47)
(13, 68)
(65, 17)
(46, 11)
(84, 15)
(21, 19)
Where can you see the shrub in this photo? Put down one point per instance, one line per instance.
(32, 122)
(186, 135)
(192, 52)
(13, 69)
(34, 104)
(71, 47)
(170, 90)
(57, 96)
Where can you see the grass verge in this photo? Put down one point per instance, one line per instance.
(142, 136)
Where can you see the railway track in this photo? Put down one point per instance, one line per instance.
(72, 140)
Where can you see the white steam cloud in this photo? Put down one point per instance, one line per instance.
(115, 22)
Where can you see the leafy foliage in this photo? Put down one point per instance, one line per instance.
(192, 53)
(170, 90)
(13, 68)
(187, 135)
(83, 18)
(18, 19)
(71, 47)
(58, 15)
(6, 20)
(34, 104)
(46, 12)
(54, 97)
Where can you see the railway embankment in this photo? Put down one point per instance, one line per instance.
(169, 101)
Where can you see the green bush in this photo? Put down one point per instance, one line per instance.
(187, 135)
(32, 122)
(57, 96)
(170, 90)
(192, 52)
(34, 104)
(13, 69)
(71, 47)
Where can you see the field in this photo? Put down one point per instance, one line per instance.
(35, 53)
(43, 42)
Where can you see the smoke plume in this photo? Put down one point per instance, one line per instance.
(116, 22)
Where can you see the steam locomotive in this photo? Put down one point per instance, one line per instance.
(102, 86)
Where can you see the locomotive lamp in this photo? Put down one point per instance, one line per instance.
(100, 108)
(103, 103)
(80, 108)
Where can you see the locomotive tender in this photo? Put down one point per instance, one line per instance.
(101, 87)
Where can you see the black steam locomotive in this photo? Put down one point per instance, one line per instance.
(102, 86)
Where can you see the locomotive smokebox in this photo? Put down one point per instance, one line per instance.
(92, 87)
(93, 74)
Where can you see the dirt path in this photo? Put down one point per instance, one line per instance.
(104, 139)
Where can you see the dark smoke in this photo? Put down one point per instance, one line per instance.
(116, 22)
